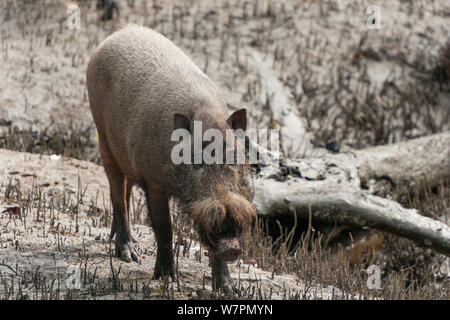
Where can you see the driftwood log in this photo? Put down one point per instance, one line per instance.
(335, 187)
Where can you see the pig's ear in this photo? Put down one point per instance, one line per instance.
(180, 121)
(238, 120)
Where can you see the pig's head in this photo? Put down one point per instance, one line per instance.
(216, 196)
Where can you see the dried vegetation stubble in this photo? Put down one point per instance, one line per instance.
(353, 88)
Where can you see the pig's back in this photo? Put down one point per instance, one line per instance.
(139, 79)
(138, 63)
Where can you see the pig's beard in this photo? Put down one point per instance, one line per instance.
(217, 198)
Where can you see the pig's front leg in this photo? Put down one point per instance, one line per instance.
(220, 275)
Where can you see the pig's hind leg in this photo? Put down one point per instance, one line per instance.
(159, 214)
(126, 247)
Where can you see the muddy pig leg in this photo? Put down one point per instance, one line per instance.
(158, 211)
(125, 246)
(220, 275)
(129, 186)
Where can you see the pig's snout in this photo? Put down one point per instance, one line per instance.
(229, 249)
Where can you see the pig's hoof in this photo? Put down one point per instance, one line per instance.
(229, 290)
(163, 275)
(163, 272)
(226, 285)
(128, 251)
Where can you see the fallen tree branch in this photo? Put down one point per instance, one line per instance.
(331, 186)
(353, 208)
(407, 163)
